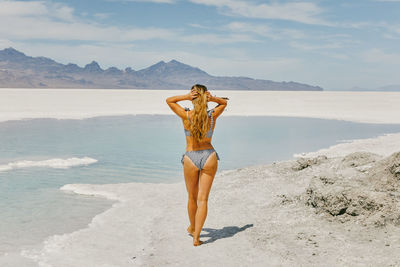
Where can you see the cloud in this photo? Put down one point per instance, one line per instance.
(392, 28)
(146, 1)
(304, 12)
(252, 30)
(390, 36)
(210, 38)
(376, 55)
(264, 30)
(335, 55)
(43, 28)
(199, 26)
(36, 8)
(386, 29)
(42, 20)
(383, 28)
(19, 8)
(102, 15)
(312, 47)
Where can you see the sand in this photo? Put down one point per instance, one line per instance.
(286, 213)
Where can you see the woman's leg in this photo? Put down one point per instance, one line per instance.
(206, 180)
(191, 173)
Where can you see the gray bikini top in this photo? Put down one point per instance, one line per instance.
(210, 131)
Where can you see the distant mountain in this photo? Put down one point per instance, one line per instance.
(20, 71)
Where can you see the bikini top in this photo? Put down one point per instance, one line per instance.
(210, 131)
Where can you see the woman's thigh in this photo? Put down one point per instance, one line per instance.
(207, 175)
(191, 173)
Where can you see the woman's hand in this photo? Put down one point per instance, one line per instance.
(193, 94)
(209, 96)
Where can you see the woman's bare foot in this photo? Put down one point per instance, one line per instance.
(190, 230)
(197, 242)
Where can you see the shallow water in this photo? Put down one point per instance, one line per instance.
(141, 148)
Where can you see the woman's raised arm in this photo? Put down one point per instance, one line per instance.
(222, 103)
(172, 103)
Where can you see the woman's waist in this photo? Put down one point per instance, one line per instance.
(196, 148)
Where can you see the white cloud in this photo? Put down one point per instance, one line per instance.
(376, 55)
(19, 8)
(146, 1)
(61, 11)
(199, 26)
(304, 12)
(312, 47)
(210, 38)
(40, 20)
(46, 20)
(255, 30)
(36, 9)
(264, 30)
(102, 15)
(387, 30)
(390, 36)
(44, 28)
(335, 55)
(393, 28)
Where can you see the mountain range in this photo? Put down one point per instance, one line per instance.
(18, 70)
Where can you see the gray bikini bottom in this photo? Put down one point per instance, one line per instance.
(199, 157)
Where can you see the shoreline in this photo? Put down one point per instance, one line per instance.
(139, 231)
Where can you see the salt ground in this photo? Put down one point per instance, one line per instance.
(258, 216)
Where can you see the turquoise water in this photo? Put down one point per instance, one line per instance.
(142, 148)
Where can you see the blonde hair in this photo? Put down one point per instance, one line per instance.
(200, 123)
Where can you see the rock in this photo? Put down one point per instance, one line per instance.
(370, 198)
(330, 200)
(385, 175)
(360, 158)
(302, 163)
(394, 165)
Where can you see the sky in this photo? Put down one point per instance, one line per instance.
(336, 44)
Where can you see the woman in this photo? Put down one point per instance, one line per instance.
(200, 160)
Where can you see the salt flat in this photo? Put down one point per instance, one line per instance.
(257, 215)
(371, 107)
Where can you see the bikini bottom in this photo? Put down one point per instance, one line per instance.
(199, 157)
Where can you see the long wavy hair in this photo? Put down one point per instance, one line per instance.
(200, 123)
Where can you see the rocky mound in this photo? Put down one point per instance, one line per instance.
(360, 187)
(303, 163)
